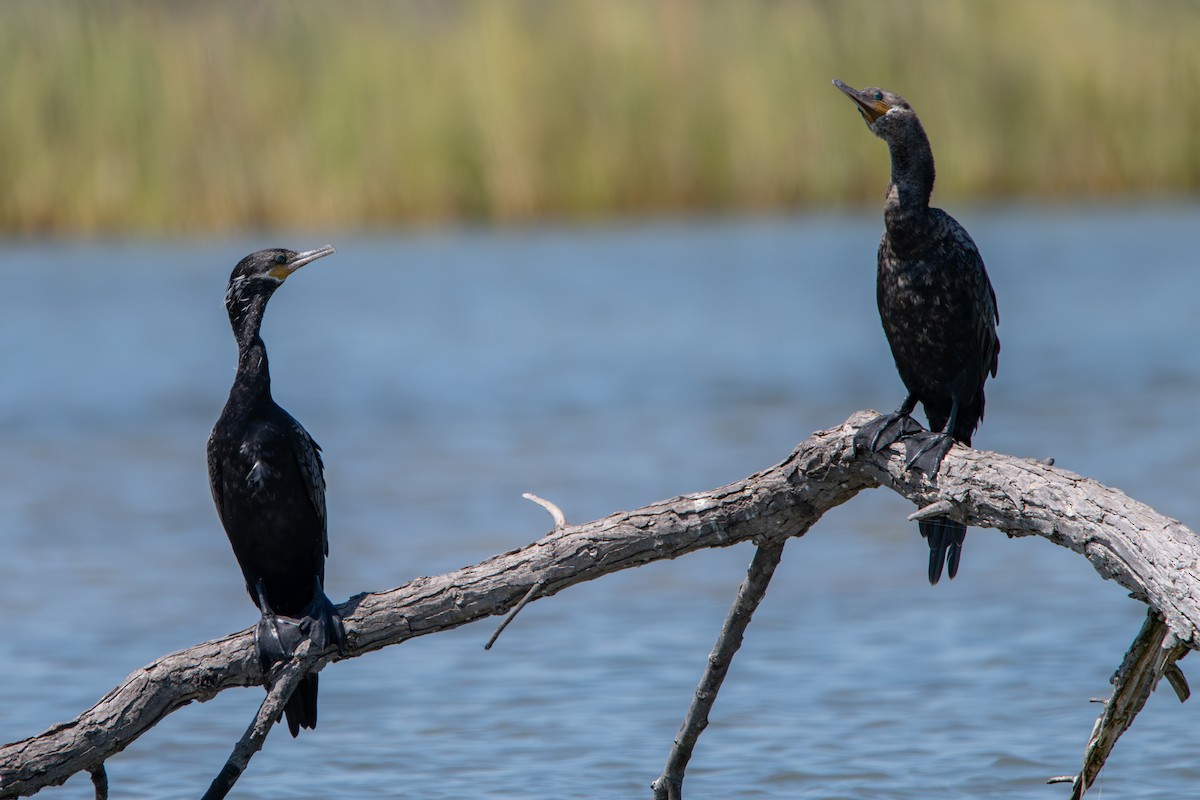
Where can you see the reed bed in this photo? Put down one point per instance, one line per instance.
(140, 116)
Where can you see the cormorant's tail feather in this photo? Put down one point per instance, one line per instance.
(301, 707)
(945, 537)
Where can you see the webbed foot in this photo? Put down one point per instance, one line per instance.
(321, 622)
(925, 451)
(885, 430)
(276, 639)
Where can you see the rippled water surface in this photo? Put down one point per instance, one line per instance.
(604, 368)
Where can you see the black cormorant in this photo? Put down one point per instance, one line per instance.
(938, 311)
(268, 483)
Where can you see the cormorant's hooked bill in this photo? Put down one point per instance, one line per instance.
(870, 102)
(285, 265)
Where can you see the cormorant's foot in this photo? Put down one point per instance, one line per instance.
(322, 624)
(276, 639)
(885, 430)
(925, 451)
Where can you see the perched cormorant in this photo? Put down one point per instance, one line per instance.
(268, 484)
(938, 311)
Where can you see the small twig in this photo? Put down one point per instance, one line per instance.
(533, 590)
(935, 509)
(560, 521)
(100, 781)
(1175, 677)
(669, 785)
(268, 714)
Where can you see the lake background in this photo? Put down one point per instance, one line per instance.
(607, 251)
(603, 367)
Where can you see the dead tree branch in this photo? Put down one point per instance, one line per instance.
(669, 785)
(1154, 557)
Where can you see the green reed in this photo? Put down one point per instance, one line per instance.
(142, 116)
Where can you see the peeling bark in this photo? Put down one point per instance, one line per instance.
(1156, 558)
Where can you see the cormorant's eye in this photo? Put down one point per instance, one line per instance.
(281, 259)
(879, 95)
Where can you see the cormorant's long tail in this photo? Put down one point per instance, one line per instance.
(945, 537)
(301, 708)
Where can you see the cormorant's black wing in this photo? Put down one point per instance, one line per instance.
(986, 311)
(215, 481)
(308, 458)
(989, 317)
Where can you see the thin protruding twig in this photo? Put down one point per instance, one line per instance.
(935, 509)
(268, 714)
(669, 785)
(1175, 677)
(100, 781)
(560, 520)
(533, 590)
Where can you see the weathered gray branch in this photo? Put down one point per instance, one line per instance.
(1154, 557)
(669, 785)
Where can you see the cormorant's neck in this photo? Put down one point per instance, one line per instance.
(906, 209)
(252, 383)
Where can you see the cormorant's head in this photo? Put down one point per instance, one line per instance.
(882, 110)
(261, 273)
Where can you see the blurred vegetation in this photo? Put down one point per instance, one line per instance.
(130, 115)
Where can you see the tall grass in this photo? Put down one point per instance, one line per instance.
(138, 115)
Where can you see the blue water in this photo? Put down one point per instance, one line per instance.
(601, 367)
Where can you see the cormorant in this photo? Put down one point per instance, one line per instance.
(938, 310)
(268, 484)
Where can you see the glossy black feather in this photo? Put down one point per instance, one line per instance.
(938, 311)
